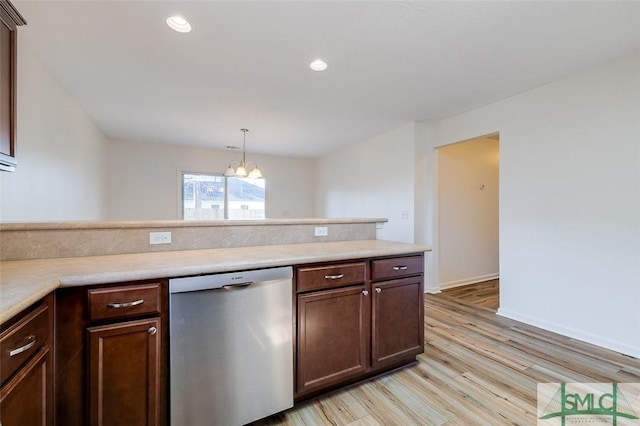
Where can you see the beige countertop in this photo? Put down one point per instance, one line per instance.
(23, 282)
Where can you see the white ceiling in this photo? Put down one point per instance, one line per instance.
(245, 64)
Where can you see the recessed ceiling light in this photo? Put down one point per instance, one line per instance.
(179, 24)
(318, 65)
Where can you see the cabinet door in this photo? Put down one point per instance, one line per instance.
(124, 373)
(26, 399)
(7, 90)
(333, 337)
(397, 320)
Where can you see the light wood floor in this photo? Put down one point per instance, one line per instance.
(485, 294)
(478, 369)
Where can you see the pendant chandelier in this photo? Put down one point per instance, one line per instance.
(244, 168)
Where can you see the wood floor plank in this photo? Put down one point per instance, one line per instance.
(431, 391)
(384, 410)
(519, 382)
(314, 415)
(482, 294)
(349, 405)
(463, 399)
(365, 421)
(520, 410)
(419, 408)
(478, 368)
(575, 346)
(485, 348)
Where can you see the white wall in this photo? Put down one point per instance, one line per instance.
(59, 152)
(569, 202)
(468, 212)
(142, 180)
(371, 178)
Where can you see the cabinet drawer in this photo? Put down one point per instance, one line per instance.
(331, 276)
(124, 301)
(383, 269)
(20, 341)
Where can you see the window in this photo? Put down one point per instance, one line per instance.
(212, 197)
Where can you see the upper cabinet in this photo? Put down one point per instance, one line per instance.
(10, 19)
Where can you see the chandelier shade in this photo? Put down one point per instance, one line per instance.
(243, 168)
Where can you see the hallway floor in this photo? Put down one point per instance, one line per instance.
(485, 294)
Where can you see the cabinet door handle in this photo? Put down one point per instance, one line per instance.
(400, 268)
(152, 330)
(365, 292)
(378, 290)
(334, 277)
(26, 347)
(126, 304)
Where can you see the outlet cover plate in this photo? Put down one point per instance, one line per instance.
(159, 237)
(322, 231)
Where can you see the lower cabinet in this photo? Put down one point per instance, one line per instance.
(111, 355)
(124, 373)
(397, 320)
(347, 331)
(26, 393)
(26, 400)
(338, 349)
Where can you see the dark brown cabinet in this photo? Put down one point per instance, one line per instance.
(25, 401)
(26, 395)
(111, 354)
(10, 19)
(397, 324)
(124, 373)
(333, 337)
(356, 320)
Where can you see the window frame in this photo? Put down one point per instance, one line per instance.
(183, 172)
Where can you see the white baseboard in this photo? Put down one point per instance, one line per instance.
(572, 333)
(467, 281)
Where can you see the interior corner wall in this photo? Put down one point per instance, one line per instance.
(569, 202)
(468, 212)
(59, 152)
(371, 178)
(142, 180)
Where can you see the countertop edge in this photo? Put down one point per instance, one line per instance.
(133, 224)
(24, 282)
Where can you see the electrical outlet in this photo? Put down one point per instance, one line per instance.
(322, 231)
(159, 237)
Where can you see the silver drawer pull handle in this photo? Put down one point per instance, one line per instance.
(126, 304)
(152, 330)
(378, 289)
(365, 292)
(400, 268)
(334, 277)
(26, 347)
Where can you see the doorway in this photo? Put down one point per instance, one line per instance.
(468, 217)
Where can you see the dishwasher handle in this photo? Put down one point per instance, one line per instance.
(218, 281)
(237, 286)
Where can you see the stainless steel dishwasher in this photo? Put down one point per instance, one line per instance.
(231, 353)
